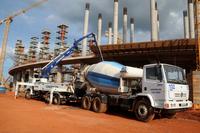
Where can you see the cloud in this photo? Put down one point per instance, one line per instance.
(52, 18)
(28, 19)
(72, 12)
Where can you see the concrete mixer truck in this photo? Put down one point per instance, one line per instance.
(157, 88)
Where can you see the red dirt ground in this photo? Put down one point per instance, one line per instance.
(32, 116)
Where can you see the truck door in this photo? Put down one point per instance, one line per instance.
(153, 84)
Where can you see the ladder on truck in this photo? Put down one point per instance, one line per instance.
(52, 87)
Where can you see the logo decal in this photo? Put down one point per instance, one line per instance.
(171, 87)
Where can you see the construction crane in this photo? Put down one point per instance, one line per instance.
(7, 22)
(197, 31)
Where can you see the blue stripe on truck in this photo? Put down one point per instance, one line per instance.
(103, 80)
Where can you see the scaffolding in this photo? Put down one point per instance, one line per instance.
(44, 48)
(61, 44)
(33, 49)
(19, 53)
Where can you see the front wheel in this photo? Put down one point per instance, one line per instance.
(144, 111)
(28, 94)
(56, 100)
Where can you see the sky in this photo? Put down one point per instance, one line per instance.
(71, 12)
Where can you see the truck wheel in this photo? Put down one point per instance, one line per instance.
(86, 103)
(56, 100)
(28, 94)
(143, 111)
(98, 106)
(47, 97)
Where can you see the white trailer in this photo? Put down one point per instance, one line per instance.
(50, 92)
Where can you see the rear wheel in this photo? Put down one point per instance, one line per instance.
(98, 106)
(86, 103)
(47, 97)
(143, 111)
(28, 94)
(56, 100)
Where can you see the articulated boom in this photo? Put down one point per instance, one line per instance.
(47, 69)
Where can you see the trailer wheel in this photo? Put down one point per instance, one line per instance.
(47, 97)
(56, 99)
(143, 111)
(86, 103)
(98, 106)
(28, 94)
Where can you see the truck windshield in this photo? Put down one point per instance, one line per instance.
(174, 74)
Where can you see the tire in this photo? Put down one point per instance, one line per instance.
(56, 99)
(28, 94)
(168, 114)
(47, 97)
(144, 111)
(98, 106)
(86, 103)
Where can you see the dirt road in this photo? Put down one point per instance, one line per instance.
(32, 116)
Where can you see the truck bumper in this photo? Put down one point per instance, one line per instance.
(177, 105)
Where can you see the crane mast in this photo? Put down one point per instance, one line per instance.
(7, 22)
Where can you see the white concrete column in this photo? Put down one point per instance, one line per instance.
(85, 29)
(110, 33)
(132, 35)
(59, 74)
(186, 25)
(125, 23)
(158, 25)
(99, 30)
(115, 22)
(153, 11)
(191, 18)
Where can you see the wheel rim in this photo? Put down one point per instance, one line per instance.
(142, 111)
(28, 95)
(86, 102)
(55, 100)
(97, 105)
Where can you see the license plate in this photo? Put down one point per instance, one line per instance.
(183, 104)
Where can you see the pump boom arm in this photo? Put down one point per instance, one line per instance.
(47, 69)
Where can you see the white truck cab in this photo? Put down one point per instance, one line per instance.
(166, 86)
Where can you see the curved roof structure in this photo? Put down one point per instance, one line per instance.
(180, 52)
